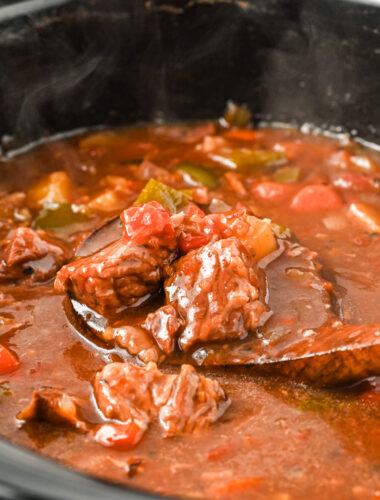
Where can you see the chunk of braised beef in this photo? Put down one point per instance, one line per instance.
(214, 293)
(53, 407)
(135, 340)
(116, 277)
(143, 394)
(128, 271)
(194, 401)
(32, 253)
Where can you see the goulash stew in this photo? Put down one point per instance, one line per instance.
(194, 310)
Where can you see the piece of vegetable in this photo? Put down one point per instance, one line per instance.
(236, 116)
(123, 435)
(198, 231)
(287, 174)
(315, 198)
(218, 205)
(188, 242)
(58, 215)
(248, 159)
(148, 223)
(198, 175)
(170, 198)
(354, 181)
(272, 191)
(8, 362)
(55, 188)
(261, 238)
(335, 222)
(242, 134)
(345, 160)
(367, 215)
(115, 195)
(255, 233)
(5, 390)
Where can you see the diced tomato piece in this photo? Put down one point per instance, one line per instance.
(243, 134)
(119, 435)
(272, 191)
(8, 363)
(315, 198)
(189, 242)
(148, 223)
(196, 230)
(356, 182)
(193, 209)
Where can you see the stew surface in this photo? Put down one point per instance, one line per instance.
(194, 309)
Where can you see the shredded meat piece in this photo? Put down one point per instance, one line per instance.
(214, 293)
(180, 402)
(32, 253)
(53, 407)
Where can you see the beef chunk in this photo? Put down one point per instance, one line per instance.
(53, 407)
(194, 401)
(164, 325)
(118, 276)
(135, 340)
(180, 402)
(32, 253)
(127, 271)
(214, 293)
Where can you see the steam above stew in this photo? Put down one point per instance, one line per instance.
(176, 295)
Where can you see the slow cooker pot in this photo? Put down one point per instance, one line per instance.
(67, 65)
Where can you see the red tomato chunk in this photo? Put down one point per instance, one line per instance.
(123, 435)
(272, 191)
(144, 223)
(8, 363)
(315, 198)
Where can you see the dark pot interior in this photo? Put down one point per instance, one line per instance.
(71, 64)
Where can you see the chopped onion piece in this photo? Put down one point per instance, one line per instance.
(335, 223)
(367, 215)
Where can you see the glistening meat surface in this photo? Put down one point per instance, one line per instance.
(32, 254)
(179, 402)
(128, 270)
(214, 293)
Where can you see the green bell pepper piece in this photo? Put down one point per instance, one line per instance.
(199, 175)
(248, 159)
(58, 215)
(287, 174)
(170, 198)
(237, 116)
